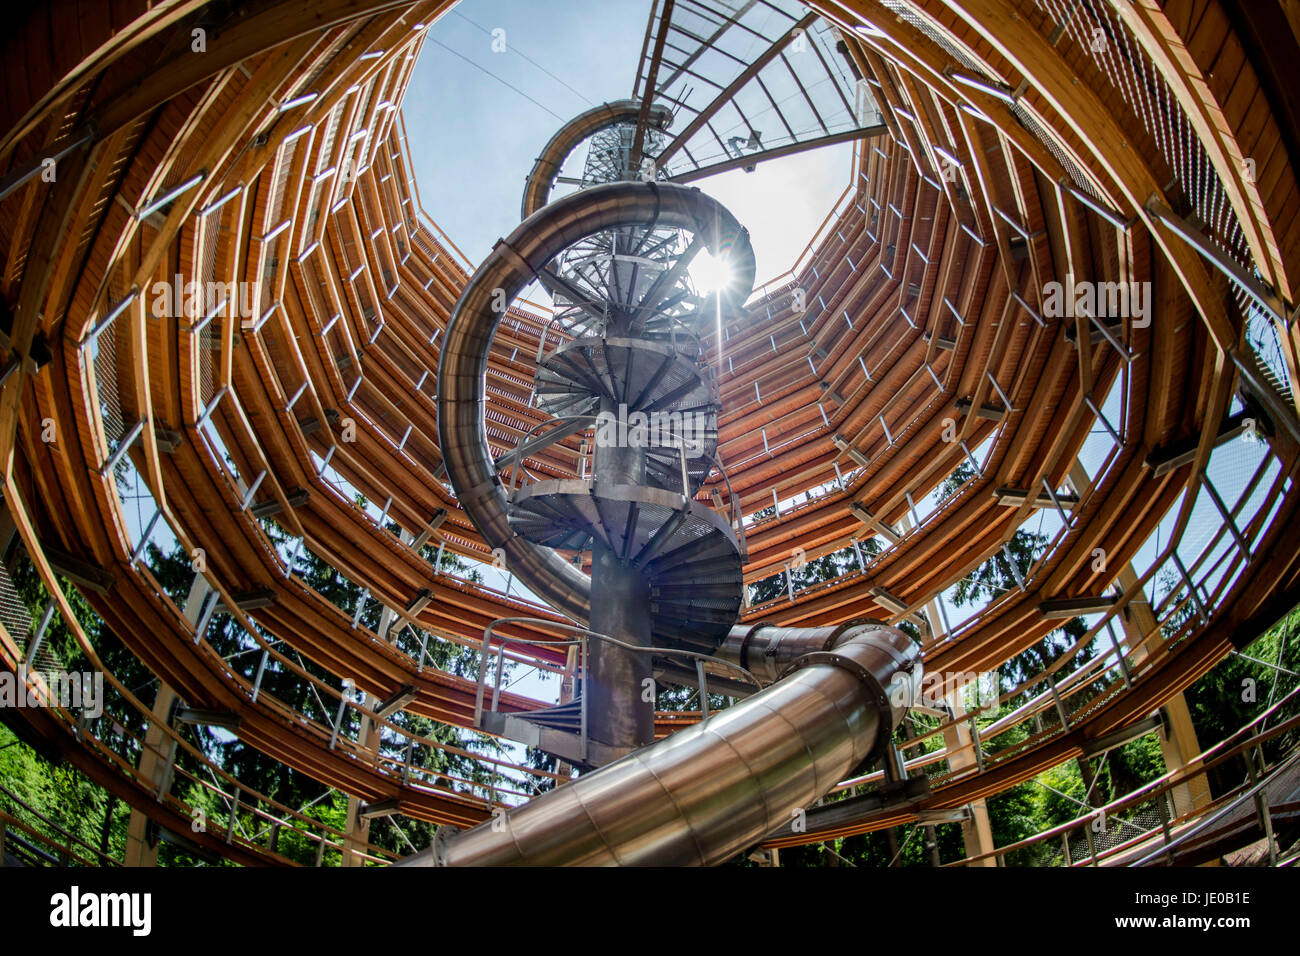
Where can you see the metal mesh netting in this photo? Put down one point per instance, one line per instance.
(106, 380)
(13, 613)
(17, 622)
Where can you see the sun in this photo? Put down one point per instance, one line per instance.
(711, 273)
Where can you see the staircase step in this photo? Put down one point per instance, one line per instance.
(689, 552)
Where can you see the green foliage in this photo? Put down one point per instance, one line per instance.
(1238, 690)
(1232, 694)
(70, 800)
(829, 566)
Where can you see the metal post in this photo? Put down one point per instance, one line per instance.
(583, 696)
(975, 742)
(1011, 563)
(618, 715)
(261, 669)
(424, 647)
(165, 778)
(1056, 699)
(34, 645)
(338, 720)
(1163, 803)
(501, 666)
(234, 810)
(1092, 843)
(1262, 808)
(1119, 654)
(482, 674)
(703, 682)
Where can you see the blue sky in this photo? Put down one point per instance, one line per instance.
(473, 138)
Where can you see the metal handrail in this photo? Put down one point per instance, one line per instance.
(515, 461)
(582, 641)
(518, 456)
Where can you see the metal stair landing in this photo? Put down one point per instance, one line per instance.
(557, 731)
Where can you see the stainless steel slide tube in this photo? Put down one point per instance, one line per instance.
(704, 794)
(462, 366)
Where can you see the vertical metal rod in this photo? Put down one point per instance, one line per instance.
(482, 673)
(165, 778)
(583, 696)
(234, 810)
(975, 742)
(1162, 803)
(1092, 843)
(144, 536)
(1262, 808)
(703, 682)
(911, 505)
(501, 663)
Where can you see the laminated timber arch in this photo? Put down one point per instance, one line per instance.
(1018, 154)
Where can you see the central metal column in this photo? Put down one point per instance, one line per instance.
(620, 608)
(616, 678)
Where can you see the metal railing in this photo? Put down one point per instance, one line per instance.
(514, 460)
(582, 642)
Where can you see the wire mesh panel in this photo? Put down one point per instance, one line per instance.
(104, 353)
(13, 613)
